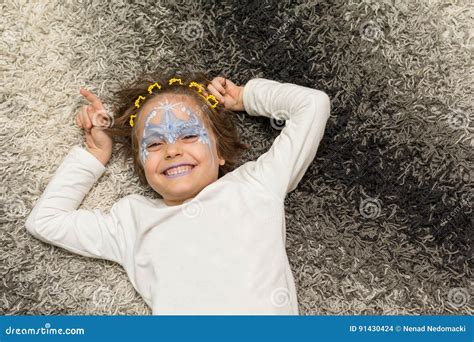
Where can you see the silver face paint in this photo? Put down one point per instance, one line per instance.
(171, 128)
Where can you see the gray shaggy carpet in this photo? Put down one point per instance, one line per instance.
(381, 222)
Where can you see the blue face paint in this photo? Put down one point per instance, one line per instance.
(171, 128)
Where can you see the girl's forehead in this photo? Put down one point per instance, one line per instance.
(179, 106)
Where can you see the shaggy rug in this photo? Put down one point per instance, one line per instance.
(381, 222)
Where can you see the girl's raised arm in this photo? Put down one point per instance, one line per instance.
(306, 111)
(55, 218)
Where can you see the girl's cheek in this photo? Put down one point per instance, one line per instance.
(151, 160)
(148, 162)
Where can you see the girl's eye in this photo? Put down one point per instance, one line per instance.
(189, 137)
(157, 144)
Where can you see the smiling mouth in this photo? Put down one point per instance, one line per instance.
(179, 171)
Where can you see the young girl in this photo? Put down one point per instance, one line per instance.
(214, 243)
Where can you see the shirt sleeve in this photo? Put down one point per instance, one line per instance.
(55, 218)
(306, 111)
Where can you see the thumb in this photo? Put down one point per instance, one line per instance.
(100, 118)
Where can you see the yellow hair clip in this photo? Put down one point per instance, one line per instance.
(137, 101)
(174, 80)
(213, 98)
(131, 119)
(196, 85)
(154, 85)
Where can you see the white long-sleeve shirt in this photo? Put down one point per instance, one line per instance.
(220, 253)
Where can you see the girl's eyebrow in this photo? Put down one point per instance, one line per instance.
(153, 135)
(148, 117)
(157, 129)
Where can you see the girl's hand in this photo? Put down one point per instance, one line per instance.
(226, 92)
(93, 118)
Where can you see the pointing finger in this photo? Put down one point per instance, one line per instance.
(218, 83)
(214, 92)
(94, 100)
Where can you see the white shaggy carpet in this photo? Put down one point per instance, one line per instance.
(382, 221)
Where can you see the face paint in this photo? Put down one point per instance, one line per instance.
(171, 128)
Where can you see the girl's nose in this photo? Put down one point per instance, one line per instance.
(173, 149)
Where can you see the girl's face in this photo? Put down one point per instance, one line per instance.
(177, 149)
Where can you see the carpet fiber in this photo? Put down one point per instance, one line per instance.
(381, 223)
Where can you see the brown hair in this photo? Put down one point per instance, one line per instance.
(229, 146)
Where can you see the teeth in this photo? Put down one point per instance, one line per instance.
(178, 170)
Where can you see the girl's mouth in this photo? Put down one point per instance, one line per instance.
(179, 171)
